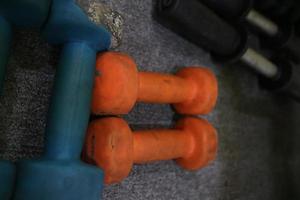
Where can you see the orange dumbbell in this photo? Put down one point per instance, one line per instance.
(115, 148)
(118, 85)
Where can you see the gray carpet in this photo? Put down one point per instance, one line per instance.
(257, 156)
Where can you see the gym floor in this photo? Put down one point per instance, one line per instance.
(257, 130)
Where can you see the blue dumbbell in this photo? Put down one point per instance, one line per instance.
(7, 177)
(59, 174)
(19, 13)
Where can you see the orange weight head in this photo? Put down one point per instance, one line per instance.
(115, 88)
(206, 91)
(109, 144)
(204, 143)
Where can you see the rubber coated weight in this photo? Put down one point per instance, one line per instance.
(59, 174)
(197, 23)
(115, 148)
(176, 17)
(281, 37)
(118, 86)
(7, 179)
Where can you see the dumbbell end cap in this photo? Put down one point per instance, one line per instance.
(58, 180)
(206, 91)
(116, 84)
(109, 145)
(205, 142)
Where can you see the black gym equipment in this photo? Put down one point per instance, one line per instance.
(226, 43)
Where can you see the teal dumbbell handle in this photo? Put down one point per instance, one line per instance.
(70, 108)
(7, 179)
(5, 40)
(60, 172)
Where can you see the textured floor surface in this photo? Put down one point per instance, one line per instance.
(257, 156)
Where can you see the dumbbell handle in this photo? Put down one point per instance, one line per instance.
(263, 23)
(260, 64)
(157, 145)
(5, 40)
(70, 108)
(163, 88)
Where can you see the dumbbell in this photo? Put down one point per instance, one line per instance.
(112, 146)
(226, 43)
(281, 37)
(15, 13)
(18, 13)
(118, 85)
(7, 179)
(59, 174)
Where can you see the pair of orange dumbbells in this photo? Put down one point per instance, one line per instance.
(112, 145)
